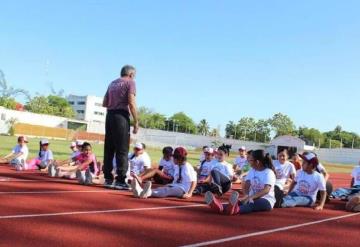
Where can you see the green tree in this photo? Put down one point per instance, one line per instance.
(282, 125)
(245, 129)
(182, 123)
(311, 136)
(8, 102)
(203, 127)
(230, 130)
(60, 106)
(262, 131)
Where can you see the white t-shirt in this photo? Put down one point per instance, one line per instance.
(258, 180)
(240, 162)
(24, 150)
(356, 175)
(283, 172)
(46, 156)
(320, 168)
(309, 184)
(168, 166)
(205, 169)
(140, 163)
(188, 175)
(224, 168)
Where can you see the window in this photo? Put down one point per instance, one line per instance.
(80, 111)
(98, 104)
(71, 102)
(81, 102)
(99, 113)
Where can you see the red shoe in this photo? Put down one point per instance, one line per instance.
(214, 203)
(233, 207)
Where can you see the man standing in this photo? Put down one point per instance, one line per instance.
(119, 99)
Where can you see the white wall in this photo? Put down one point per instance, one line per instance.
(339, 155)
(30, 118)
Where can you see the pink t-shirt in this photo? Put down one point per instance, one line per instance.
(81, 158)
(117, 95)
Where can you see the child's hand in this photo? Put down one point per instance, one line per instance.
(187, 195)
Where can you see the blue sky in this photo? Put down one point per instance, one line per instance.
(219, 60)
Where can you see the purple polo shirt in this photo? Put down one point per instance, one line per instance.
(117, 95)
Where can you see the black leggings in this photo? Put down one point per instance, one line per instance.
(220, 185)
(279, 195)
(329, 190)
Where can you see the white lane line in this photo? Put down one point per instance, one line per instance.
(22, 216)
(56, 192)
(254, 234)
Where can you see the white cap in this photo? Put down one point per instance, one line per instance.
(209, 150)
(242, 148)
(73, 144)
(44, 141)
(139, 145)
(79, 142)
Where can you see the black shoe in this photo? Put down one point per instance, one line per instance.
(108, 184)
(121, 186)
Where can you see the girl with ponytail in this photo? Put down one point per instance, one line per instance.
(258, 189)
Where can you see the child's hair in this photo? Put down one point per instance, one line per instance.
(180, 153)
(283, 151)
(265, 159)
(40, 149)
(204, 147)
(225, 148)
(85, 145)
(167, 150)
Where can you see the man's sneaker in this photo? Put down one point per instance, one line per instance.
(80, 176)
(233, 206)
(136, 188)
(147, 190)
(121, 186)
(214, 203)
(88, 177)
(108, 184)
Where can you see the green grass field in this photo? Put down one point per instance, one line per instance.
(62, 151)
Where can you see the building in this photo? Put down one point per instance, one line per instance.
(291, 143)
(88, 108)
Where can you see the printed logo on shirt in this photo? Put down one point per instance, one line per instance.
(257, 186)
(279, 173)
(304, 187)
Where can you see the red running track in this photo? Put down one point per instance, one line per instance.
(41, 211)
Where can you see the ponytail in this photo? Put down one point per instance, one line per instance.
(225, 148)
(40, 149)
(264, 159)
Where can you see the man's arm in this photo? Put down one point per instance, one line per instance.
(133, 110)
(106, 100)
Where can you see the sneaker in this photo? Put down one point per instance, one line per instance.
(108, 184)
(146, 191)
(353, 205)
(121, 186)
(52, 170)
(136, 188)
(214, 203)
(80, 176)
(233, 206)
(88, 177)
(58, 173)
(18, 167)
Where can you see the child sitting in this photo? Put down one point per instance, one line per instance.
(164, 174)
(18, 155)
(76, 151)
(182, 186)
(221, 174)
(85, 168)
(44, 159)
(258, 189)
(345, 193)
(240, 165)
(306, 185)
(139, 160)
(204, 169)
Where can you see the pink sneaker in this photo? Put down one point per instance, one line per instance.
(233, 206)
(214, 203)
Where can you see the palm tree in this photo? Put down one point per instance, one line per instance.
(203, 127)
(7, 91)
